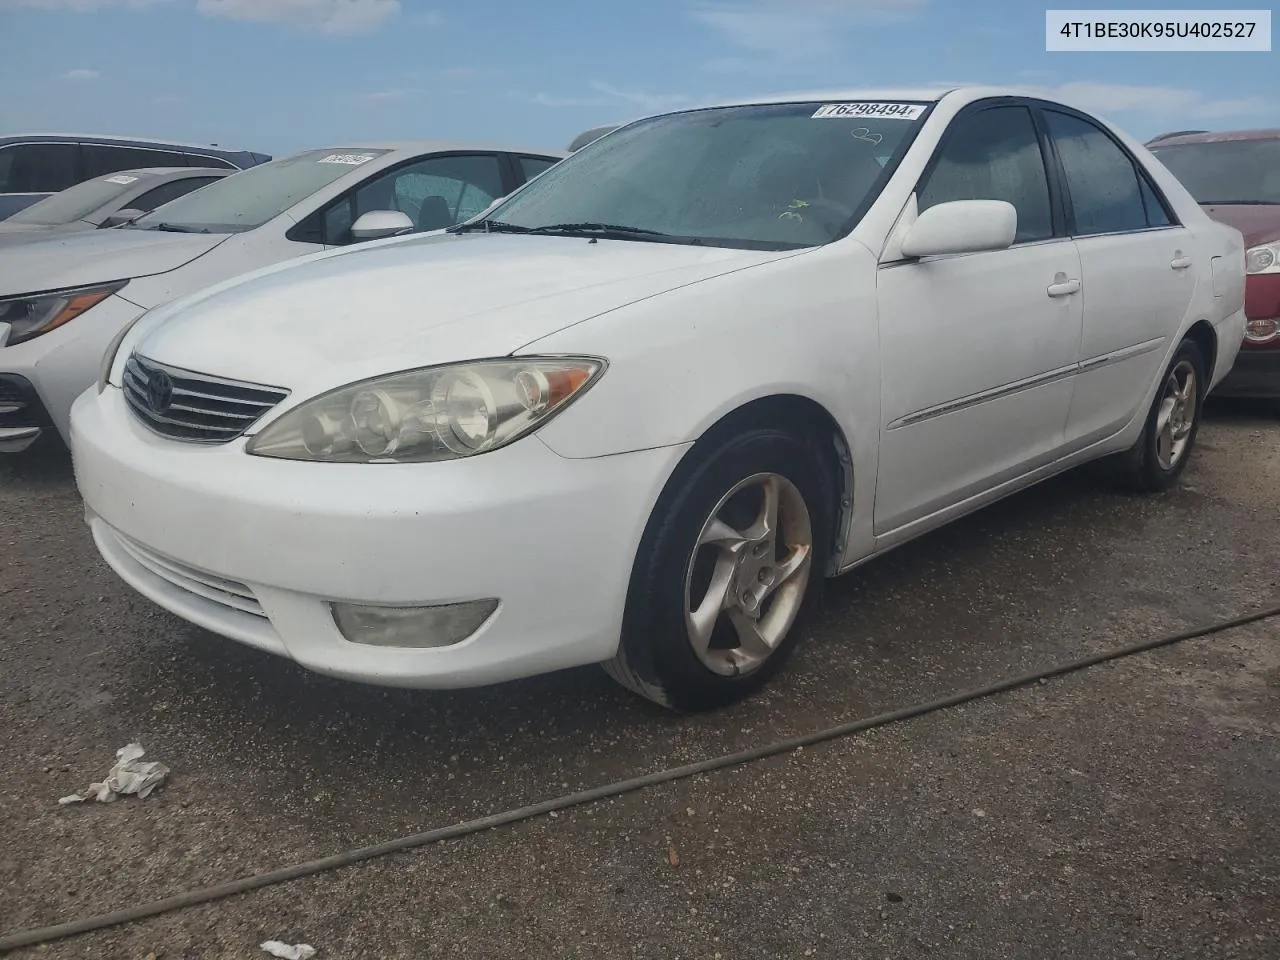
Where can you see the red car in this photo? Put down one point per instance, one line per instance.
(1236, 178)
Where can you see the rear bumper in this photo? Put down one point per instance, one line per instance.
(1255, 374)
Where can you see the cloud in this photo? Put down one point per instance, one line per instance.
(552, 100)
(652, 102)
(795, 29)
(79, 6)
(1152, 101)
(606, 95)
(379, 97)
(335, 17)
(80, 73)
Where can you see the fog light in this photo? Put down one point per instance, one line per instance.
(1261, 331)
(422, 627)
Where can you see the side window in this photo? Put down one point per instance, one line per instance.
(169, 191)
(7, 155)
(530, 167)
(200, 160)
(101, 159)
(435, 193)
(42, 167)
(994, 155)
(1105, 194)
(1157, 215)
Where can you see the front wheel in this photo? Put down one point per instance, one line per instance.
(730, 566)
(1155, 462)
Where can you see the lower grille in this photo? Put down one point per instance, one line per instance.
(229, 593)
(185, 405)
(20, 405)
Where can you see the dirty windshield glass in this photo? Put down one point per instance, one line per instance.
(776, 176)
(250, 198)
(76, 202)
(1226, 171)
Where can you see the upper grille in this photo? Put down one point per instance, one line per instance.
(193, 406)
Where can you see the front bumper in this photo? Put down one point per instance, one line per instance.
(1255, 375)
(256, 549)
(22, 414)
(55, 368)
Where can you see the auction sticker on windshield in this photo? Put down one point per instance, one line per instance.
(351, 159)
(883, 111)
(121, 179)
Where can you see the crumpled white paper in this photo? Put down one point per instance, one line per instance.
(126, 777)
(285, 951)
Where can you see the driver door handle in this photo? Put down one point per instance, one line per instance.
(1063, 286)
(1179, 262)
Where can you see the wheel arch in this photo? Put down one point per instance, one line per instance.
(811, 421)
(1203, 335)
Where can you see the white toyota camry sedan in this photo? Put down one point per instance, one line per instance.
(640, 410)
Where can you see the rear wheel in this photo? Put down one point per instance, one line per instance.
(1156, 461)
(730, 567)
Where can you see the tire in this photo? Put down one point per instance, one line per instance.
(1147, 466)
(731, 479)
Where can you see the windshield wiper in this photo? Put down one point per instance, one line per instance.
(488, 226)
(178, 228)
(1239, 203)
(615, 231)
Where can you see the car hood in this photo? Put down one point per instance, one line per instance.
(1258, 222)
(8, 226)
(97, 256)
(333, 320)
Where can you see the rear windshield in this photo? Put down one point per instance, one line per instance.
(248, 199)
(76, 202)
(1226, 171)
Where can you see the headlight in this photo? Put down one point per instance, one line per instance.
(39, 313)
(113, 348)
(1262, 259)
(437, 413)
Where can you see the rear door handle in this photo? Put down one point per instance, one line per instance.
(1179, 262)
(1063, 287)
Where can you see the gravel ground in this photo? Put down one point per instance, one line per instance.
(1128, 811)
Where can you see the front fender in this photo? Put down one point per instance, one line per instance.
(804, 325)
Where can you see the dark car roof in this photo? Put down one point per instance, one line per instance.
(244, 157)
(1272, 133)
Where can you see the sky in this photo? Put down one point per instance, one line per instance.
(278, 76)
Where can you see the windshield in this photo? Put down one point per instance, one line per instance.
(770, 177)
(76, 202)
(1226, 171)
(248, 199)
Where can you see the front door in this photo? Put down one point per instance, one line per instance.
(978, 351)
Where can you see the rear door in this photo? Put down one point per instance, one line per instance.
(1138, 272)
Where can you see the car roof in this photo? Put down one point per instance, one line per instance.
(117, 141)
(430, 146)
(923, 94)
(167, 171)
(1269, 133)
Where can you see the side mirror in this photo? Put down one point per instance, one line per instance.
(377, 224)
(962, 226)
(121, 217)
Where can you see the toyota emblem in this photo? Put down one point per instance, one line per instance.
(159, 391)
